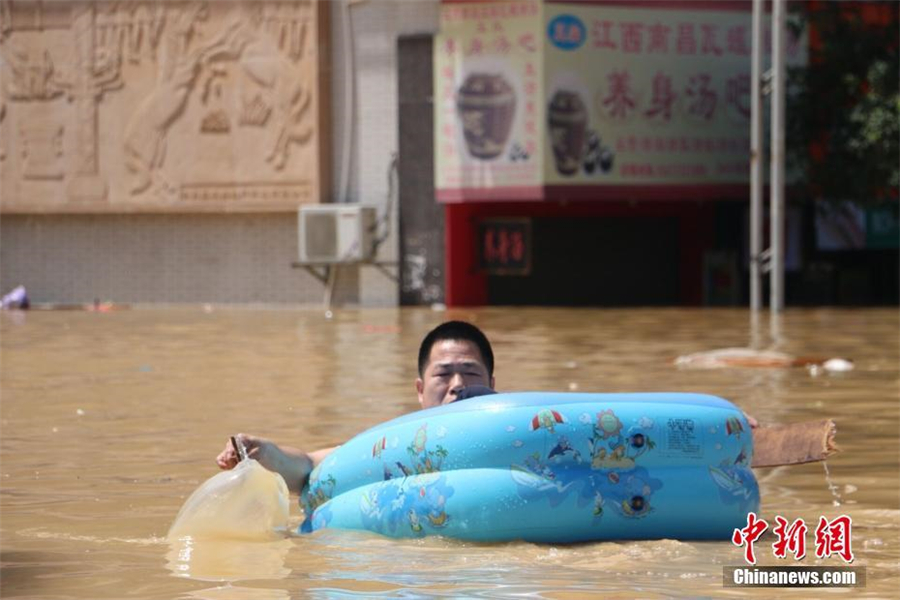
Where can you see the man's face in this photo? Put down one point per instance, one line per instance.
(452, 365)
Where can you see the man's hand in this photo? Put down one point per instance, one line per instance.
(257, 448)
(292, 464)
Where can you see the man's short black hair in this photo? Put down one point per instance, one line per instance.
(457, 331)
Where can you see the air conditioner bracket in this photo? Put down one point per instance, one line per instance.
(327, 273)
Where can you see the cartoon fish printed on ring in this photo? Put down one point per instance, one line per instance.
(562, 448)
(547, 418)
(730, 480)
(742, 457)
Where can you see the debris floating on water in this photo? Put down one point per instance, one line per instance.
(17, 298)
(837, 365)
(747, 357)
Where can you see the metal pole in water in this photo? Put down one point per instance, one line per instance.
(756, 158)
(776, 177)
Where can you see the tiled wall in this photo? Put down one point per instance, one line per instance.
(233, 258)
(160, 259)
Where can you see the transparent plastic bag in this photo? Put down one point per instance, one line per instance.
(248, 502)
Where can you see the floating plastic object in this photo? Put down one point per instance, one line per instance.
(545, 467)
(248, 502)
(838, 365)
(17, 298)
(734, 357)
(747, 357)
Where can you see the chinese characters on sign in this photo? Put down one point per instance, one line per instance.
(505, 246)
(665, 95)
(532, 94)
(831, 537)
(683, 33)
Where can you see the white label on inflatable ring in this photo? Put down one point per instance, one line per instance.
(683, 438)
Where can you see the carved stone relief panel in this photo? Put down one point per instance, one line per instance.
(42, 152)
(156, 105)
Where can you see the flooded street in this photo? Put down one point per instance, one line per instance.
(109, 421)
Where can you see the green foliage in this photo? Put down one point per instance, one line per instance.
(843, 114)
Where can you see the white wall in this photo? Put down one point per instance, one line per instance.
(375, 27)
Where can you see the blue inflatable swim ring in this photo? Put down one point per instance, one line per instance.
(545, 467)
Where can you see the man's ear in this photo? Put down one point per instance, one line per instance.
(420, 387)
(493, 385)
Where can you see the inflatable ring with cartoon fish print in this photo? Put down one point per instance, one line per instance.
(545, 467)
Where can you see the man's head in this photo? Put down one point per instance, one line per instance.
(452, 356)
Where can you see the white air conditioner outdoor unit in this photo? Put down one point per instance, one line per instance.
(336, 233)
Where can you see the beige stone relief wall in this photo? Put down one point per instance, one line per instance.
(161, 106)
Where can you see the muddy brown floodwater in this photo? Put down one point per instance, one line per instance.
(109, 421)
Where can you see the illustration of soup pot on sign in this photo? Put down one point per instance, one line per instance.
(486, 105)
(567, 121)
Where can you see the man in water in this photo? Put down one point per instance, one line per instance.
(453, 356)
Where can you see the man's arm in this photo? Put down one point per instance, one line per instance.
(292, 464)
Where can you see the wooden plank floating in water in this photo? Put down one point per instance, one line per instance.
(793, 444)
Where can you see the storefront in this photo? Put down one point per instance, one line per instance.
(582, 150)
